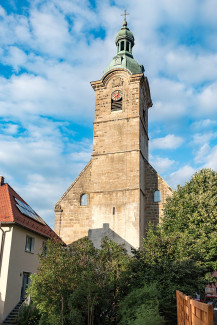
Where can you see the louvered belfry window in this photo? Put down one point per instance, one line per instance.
(116, 105)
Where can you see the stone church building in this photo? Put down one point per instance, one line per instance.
(118, 192)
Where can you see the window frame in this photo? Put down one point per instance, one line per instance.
(157, 196)
(30, 244)
(84, 203)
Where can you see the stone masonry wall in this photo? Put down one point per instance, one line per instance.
(153, 182)
(119, 181)
(73, 220)
(115, 160)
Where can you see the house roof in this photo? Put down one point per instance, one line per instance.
(11, 212)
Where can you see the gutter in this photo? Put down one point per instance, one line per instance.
(2, 244)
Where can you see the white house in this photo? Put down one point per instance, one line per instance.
(22, 236)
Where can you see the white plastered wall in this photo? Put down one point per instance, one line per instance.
(18, 261)
(4, 266)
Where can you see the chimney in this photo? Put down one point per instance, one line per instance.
(2, 180)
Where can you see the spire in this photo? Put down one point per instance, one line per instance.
(124, 39)
(124, 59)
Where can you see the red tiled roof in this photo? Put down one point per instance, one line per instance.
(9, 213)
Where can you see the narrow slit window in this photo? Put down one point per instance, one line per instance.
(122, 46)
(113, 211)
(144, 115)
(128, 47)
(83, 201)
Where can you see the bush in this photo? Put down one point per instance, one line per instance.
(141, 307)
(29, 315)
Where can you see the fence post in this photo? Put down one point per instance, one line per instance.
(210, 315)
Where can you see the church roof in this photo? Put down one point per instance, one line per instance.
(124, 59)
(13, 209)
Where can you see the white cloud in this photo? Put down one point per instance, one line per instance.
(203, 138)
(184, 63)
(168, 142)
(39, 163)
(180, 176)
(208, 11)
(170, 99)
(161, 164)
(10, 128)
(207, 99)
(211, 159)
(203, 124)
(50, 31)
(22, 31)
(2, 12)
(201, 154)
(178, 11)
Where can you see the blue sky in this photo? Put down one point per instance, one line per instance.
(49, 53)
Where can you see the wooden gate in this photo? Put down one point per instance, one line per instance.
(191, 312)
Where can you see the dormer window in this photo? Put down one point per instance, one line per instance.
(83, 200)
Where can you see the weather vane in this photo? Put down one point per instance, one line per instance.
(125, 14)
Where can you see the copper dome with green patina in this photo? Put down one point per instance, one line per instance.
(124, 59)
(124, 33)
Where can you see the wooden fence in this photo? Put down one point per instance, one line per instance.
(191, 312)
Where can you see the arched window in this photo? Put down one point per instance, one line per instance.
(83, 200)
(157, 196)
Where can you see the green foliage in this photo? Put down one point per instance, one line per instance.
(168, 273)
(140, 306)
(29, 315)
(183, 248)
(193, 207)
(80, 284)
(192, 212)
(57, 276)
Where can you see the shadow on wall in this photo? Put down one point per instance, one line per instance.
(96, 236)
(1, 308)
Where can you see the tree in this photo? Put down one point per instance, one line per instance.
(159, 263)
(80, 284)
(191, 215)
(179, 252)
(57, 277)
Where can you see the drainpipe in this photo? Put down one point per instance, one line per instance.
(2, 244)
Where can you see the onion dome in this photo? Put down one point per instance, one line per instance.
(124, 59)
(125, 34)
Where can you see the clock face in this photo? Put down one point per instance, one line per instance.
(116, 95)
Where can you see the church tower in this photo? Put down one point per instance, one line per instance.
(118, 192)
